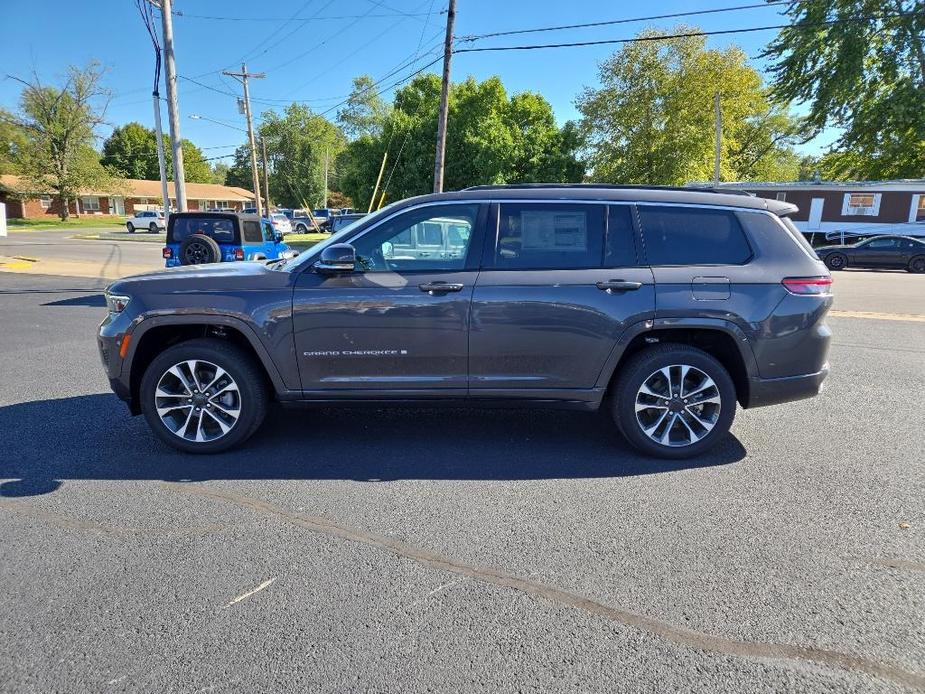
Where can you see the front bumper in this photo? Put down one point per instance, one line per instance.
(773, 391)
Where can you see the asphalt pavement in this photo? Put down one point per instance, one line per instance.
(461, 550)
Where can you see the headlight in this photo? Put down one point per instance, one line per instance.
(116, 303)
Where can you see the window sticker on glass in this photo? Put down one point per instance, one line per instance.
(561, 232)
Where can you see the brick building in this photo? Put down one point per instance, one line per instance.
(138, 195)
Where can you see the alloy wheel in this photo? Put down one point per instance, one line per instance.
(677, 405)
(196, 253)
(197, 401)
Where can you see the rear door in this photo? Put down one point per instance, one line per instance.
(560, 282)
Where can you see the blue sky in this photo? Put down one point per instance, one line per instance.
(314, 59)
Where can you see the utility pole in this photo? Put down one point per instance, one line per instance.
(266, 180)
(719, 139)
(444, 98)
(173, 109)
(243, 76)
(161, 164)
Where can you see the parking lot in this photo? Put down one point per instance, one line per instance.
(448, 550)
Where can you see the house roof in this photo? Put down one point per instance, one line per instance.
(137, 188)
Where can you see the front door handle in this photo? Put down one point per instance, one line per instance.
(618, 286)
(434, 288)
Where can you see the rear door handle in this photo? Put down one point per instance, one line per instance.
(434, 288)
(618, 286)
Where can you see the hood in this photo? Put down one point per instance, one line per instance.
(212, 277)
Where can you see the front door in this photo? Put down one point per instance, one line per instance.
(880, 252)
(560, 282)
(397, 326)
(815, 214)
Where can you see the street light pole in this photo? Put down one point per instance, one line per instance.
(243, 76)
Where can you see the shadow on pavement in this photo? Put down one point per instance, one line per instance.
(92, 300)
(94, 438)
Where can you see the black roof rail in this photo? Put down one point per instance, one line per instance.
(607, 186)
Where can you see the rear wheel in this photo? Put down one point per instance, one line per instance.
(301, 229)
(674, 401)
(152, 227)
(836, 261)
(917, 265)
(130, 227)
(203, 396)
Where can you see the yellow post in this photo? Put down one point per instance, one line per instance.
(372, 200)
(381, 200)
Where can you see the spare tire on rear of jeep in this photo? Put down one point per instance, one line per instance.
(199, 249)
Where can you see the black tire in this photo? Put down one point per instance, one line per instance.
(240, 366)
(301, 229)
(644, 365)
(917, 264)
(130, 227)
(152, 227)
(199, 249)
(836, 261)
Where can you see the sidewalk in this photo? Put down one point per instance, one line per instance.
(109, 270)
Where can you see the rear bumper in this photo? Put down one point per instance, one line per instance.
(773, 391)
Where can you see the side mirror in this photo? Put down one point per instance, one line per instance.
(340, 257)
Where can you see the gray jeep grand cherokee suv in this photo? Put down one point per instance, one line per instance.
(666, 306)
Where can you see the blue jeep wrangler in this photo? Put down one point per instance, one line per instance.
(195, 238)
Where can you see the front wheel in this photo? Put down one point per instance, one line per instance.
(674, 401)
(203, 396)
(836, 261)
(130, 227)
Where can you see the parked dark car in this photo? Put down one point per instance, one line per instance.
(339, 221)
(200, 238)
(663, 306)
(880, 252)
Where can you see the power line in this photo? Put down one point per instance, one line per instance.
(666, 37)
(294, 19)
(610, 22)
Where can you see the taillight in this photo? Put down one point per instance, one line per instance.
(239, 254)
(808, 286)
(167, 253)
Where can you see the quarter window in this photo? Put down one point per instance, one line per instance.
(693, 236)
(549, 236)
(252, 232)
(433, 238)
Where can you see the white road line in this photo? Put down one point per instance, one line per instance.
(875, 315)
(265, 584)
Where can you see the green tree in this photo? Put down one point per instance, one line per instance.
(491, 138)
(860, 66)
(219, 172)
(365, 113)
(239, 173)
(652, 119)
(58, 122)
(298, 144)
(13, 140)
(131, 150)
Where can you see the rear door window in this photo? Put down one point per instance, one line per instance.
(549, 236)
(251, 231)
(692, 236)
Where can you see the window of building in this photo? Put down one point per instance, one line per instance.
(782, 197)
(550, 236)
(920, 212)
(692, 236)
(45, 202)
(861, 204)
(90, 204)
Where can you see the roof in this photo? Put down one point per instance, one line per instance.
(610, 193)
(902, 184)
(138, 188)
